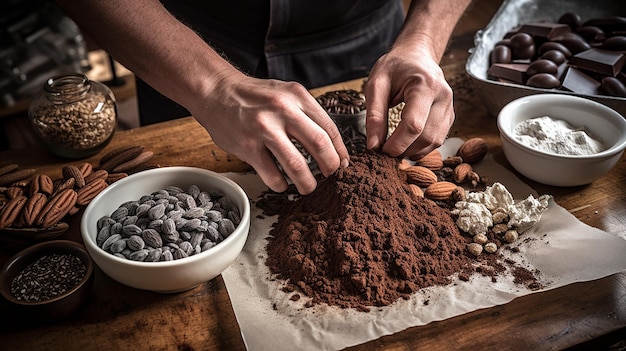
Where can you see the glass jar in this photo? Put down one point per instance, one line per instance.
(74, 116)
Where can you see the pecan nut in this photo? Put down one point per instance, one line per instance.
(41, 183)
(119, 156)
(14, 191)
(62, 185)
(89, 191)
(56, 208)
(85, 168)
(16, 175)
(99, 174)
(33, 207)
(133, 163)
(11, 211)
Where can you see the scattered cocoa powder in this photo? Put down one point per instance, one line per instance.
(361, 239)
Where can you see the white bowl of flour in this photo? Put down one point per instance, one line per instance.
(561, 140)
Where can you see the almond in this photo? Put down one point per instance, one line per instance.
(440, 190)
(420, 176)
(71, 171)
(461, 171)
(416, 191)
(432, 160)
(404, 164)
(473, 150)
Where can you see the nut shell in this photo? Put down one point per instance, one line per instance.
(473, 150)
(440, 190)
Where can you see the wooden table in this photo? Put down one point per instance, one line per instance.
(581, 315)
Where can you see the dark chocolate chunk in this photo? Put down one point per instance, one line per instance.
(610, 25)
(523, 46)
(580, 83)
(513, 72)
(604, 62)
(553, 45)
(613, 87)
(554, 55)
(574, 42)
(501, 54)
(591, 33)
(616, 43)
(543, 80)
(542, 66)
(573, 20)
(545, 29)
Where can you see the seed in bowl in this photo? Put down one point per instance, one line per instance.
(168, 224)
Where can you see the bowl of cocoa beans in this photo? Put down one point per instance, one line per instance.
(47, 282)
(168, 229)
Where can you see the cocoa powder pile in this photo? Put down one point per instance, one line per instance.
(361, 239)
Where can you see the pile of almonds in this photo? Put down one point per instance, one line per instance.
(443, 180)
(30, 199)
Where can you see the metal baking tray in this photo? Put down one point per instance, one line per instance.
(513, 13)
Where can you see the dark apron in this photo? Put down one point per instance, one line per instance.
(297, 45)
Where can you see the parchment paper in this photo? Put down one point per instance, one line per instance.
(562, 248)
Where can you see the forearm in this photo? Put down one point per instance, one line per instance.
(430, 23)
(148, 40)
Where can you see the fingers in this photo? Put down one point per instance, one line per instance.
(377, 112)
(424, 126)
(319, 135)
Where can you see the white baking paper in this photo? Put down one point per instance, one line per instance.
(562, 248)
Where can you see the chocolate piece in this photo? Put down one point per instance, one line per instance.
(604, 62)
(574, 42)
(580, 83)
(541, 66)
(616, 43)
(553, 45)
(591, 33)
(545, 29)
(543, 80)
(501, 54)
(571, 19)
(555, 56)
(610, 25)
(523, 46)
(612, 86)
(560, 72)
(514, 72)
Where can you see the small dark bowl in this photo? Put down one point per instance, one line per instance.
(55, 308)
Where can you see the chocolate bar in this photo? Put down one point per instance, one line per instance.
(580, 83)
(546, 30)
(604, 62)
(513, 72)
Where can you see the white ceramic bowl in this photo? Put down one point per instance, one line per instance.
(166, 276)
(600, 121)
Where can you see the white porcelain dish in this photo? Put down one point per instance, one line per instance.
(600, 122)
(168, 276)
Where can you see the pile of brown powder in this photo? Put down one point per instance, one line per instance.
(361, 239)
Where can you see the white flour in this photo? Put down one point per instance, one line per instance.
(556, 136)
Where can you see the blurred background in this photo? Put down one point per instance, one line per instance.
(37, 41)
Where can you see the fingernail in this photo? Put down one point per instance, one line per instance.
(372, 142)
(344, 163)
